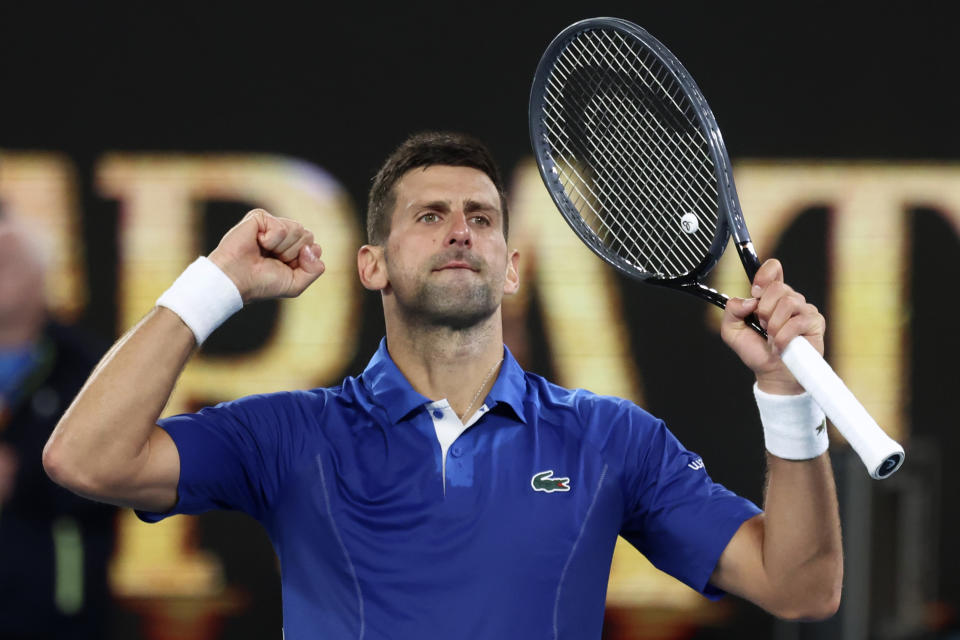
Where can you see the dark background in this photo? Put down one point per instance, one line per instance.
(340, 84)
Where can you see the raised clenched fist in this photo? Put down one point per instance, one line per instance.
(268, 257)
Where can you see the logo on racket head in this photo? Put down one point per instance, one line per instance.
(690, 222)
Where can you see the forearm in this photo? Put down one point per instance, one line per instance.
(102, 438)
(801, 548)
(788, 560)
(802, 552)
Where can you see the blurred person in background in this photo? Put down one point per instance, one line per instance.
(54, 546)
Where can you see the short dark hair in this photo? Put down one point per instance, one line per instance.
(424, 150)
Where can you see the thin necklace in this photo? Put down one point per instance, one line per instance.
(482, 385)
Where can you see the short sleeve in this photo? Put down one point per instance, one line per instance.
(235, 455)
(675, 514)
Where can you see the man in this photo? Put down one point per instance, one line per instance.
(446, 492)
(54, 547)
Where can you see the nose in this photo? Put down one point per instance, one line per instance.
(459, 233)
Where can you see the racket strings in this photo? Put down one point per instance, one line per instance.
(612, 186)
(610, 136)
(610, 229)
(660, 171)
(690, 124)
(681, 162)
(607, 210)
(573, 178)
(631, 158)
(618, 57)
(616, 187)
(574, 183)
(694, 158)
(652, 187)
(651, 105)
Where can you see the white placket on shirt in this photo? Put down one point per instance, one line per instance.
(449, 427)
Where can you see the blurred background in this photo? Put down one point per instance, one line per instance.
(133, 135)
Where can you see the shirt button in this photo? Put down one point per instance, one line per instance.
(457, 451)
(437, 414)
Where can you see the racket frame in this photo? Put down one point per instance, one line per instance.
(730, 220)
(881, 455)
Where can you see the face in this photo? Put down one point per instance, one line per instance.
(446, 261)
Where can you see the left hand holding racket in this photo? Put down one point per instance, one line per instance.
(633, 158)
(784, 314)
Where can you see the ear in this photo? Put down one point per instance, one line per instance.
(372, 267)
(512, 283)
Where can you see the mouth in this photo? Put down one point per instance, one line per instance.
(455, 265)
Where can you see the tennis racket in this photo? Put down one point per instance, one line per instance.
(632, 156)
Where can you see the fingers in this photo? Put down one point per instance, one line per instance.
(288, 241)
(811, 325)
(282, 238)
(268, 257)
(769, 272)
(785, 314)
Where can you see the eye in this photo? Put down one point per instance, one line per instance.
(429, 217)
(481, 220)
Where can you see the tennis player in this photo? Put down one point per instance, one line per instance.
(446, 492)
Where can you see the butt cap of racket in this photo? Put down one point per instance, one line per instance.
(880, 453)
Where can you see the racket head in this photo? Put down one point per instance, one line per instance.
(629, 150)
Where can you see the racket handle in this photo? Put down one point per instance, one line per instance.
(880, 453)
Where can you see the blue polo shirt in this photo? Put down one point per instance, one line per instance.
(516, 540)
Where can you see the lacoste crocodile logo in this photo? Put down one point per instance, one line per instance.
(544, 481)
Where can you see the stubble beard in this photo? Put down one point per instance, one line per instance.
(457, 306)
(453, 307)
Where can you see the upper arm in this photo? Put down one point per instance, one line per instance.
(145, 480)
(149, 481)
(676, 515)
(234, 455)
(740, 570)
(153, 486)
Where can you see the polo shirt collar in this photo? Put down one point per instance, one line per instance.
(510, 386)
(393, 392)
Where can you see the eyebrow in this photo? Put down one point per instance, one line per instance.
(469, 206)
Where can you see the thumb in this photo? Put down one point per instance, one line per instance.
(309, 267)
(740, 308)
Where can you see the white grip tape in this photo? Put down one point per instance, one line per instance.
(793, 426)
(880, 453)
(203, 296)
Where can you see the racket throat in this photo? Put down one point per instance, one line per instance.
(704, 293)
(748, 256)
(714, 297)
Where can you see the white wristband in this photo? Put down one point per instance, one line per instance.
(794, 427)
(203, 296)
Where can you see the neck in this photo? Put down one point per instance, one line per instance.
(457, 364)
